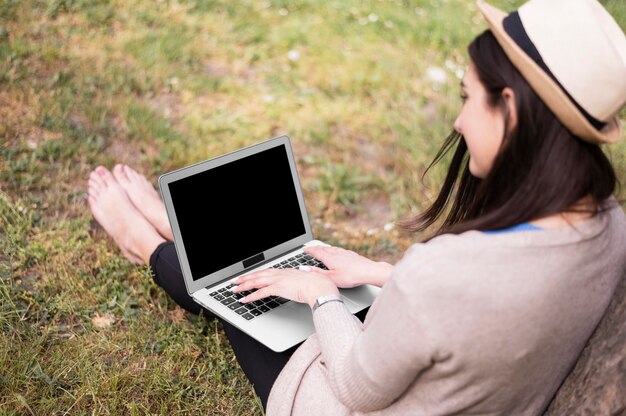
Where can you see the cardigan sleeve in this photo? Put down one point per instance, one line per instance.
(369, 367)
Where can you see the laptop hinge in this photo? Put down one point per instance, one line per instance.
(256, 265)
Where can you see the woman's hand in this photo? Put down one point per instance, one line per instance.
(348, 269)
(294, 284)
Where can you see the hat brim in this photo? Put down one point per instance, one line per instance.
(551, 93)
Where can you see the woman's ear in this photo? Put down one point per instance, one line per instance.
(508, 95)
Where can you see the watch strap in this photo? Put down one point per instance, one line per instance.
(325, 299)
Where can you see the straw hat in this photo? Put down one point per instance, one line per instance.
(573, 54)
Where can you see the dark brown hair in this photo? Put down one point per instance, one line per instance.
(540, 169)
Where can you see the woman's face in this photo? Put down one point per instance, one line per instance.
(482, 126)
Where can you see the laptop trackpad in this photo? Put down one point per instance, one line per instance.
(290, 324)
(358, 298)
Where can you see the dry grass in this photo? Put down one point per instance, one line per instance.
(161, 84)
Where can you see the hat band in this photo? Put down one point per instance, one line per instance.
(515, 29)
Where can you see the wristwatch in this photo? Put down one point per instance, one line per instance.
(325, 299)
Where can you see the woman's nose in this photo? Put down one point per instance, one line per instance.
(457, 124)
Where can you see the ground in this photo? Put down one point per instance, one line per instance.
(367, 91)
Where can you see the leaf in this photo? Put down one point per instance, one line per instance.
(176, 315)
(103, 321)
(23, 402)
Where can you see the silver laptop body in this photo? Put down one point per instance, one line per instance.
(239, 213)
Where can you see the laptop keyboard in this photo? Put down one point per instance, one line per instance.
(257, 308)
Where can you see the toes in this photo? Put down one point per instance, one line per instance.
(132, 173)
(106, 176)
(93, 189)
(119, 173)
(96, 180)
(137, 177)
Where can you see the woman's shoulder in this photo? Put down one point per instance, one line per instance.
(609, 222)
(475, 252)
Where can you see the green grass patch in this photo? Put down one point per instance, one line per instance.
(163, 84)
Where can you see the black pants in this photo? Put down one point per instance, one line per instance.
(260, 364)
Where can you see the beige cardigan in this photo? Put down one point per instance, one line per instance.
(481, 324)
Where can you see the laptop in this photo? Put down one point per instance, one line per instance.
(240, 213)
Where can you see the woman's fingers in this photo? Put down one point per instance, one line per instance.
(312, 269)
(260, 281)
(321, 250)
(322, 253)
(293, 284)
(253, 281)
(258, 294)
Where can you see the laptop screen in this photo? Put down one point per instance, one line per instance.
(232, 212)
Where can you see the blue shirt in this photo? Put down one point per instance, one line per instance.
(525, 226)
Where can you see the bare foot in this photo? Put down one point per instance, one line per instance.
(110, 206)
(145, 198)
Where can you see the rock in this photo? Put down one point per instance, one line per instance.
(597, 383)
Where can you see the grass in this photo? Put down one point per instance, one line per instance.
(162, 84)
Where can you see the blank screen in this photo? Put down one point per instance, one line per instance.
(235, 211)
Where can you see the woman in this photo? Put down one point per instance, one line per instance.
(489, 315)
